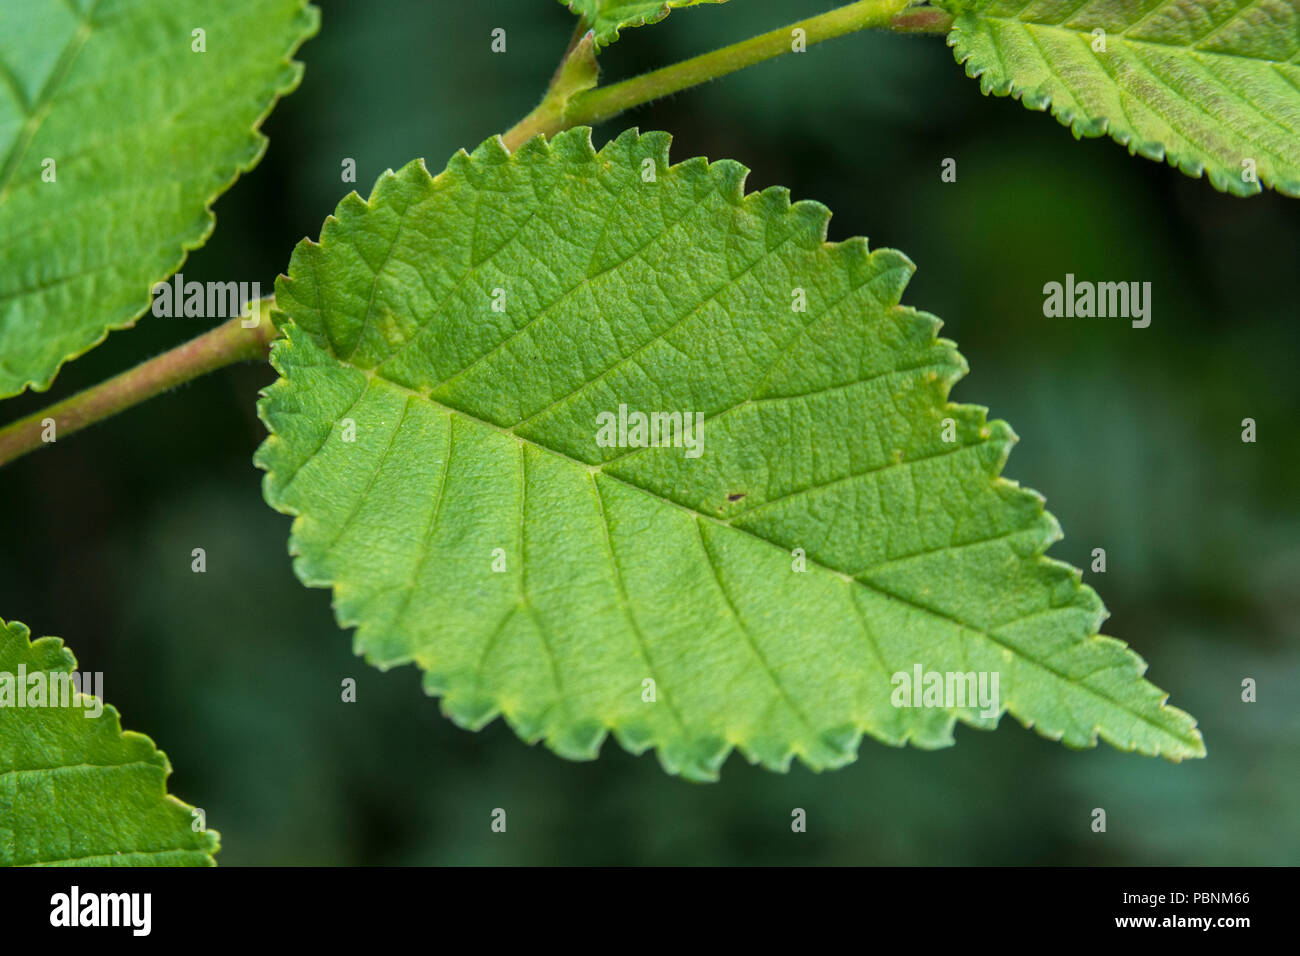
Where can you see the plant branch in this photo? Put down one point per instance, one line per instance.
(225, 345)
(594, 105)
(572, 99)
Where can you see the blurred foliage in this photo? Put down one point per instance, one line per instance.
(1133, 434)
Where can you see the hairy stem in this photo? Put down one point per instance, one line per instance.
(225, 345)
(592, 106)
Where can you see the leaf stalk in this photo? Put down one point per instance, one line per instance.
(224, 345)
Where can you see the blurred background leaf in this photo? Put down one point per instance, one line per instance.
(1202, 532)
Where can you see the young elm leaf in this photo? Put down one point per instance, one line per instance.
(451, 345)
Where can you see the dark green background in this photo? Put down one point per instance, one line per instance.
(1134, 436)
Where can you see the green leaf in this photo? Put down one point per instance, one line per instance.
(607, 17)
(1211, 86)
(143, 132)
(421, 438)
(75, 790)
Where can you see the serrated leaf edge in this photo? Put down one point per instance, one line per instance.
(67, 663)
(1082, 126)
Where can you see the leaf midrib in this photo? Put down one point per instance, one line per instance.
(1071, 683)
(116, 856)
